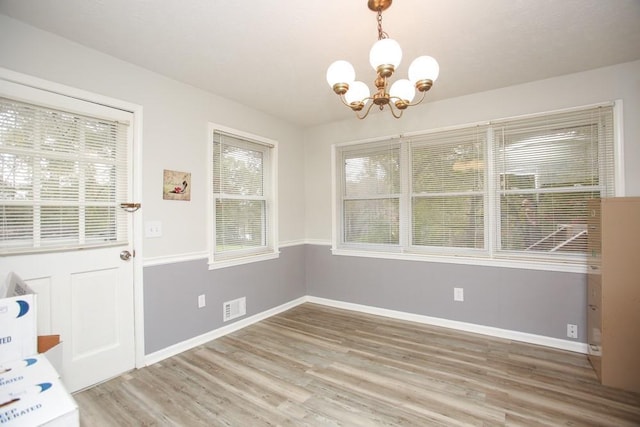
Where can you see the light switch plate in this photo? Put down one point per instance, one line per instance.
(153, 229)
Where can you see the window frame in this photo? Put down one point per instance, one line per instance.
(270, 176)
(491, 255)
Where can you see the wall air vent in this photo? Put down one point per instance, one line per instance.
(233, 309)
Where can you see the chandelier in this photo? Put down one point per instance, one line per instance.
(384, 57)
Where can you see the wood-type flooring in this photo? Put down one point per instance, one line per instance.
(319, 366)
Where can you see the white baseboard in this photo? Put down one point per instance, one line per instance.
(165, 353)
(573, 346)
(217, 333)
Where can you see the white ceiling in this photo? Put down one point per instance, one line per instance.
(273, 55)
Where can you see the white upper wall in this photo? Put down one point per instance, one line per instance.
(175, 118)
(574, 90)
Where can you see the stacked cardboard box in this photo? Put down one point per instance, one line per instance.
(31, 392)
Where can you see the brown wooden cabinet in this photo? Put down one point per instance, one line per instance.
(613, 291)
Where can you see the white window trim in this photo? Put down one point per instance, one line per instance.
(488, 257)
(261, 254)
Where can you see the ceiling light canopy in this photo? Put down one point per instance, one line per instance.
(385, 56)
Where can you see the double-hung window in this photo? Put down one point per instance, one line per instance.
(448, 190)
(371, 196)
(243, 208)
(514, 190)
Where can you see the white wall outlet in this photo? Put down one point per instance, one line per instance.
(572, 330)
(201, 301)
(458, 294)
(153, 229)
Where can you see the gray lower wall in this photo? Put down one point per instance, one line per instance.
(530, 301)
(171, 313)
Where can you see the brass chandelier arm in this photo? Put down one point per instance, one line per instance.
(366, 112)
(411, 104)
(395, 111)
(356, 107)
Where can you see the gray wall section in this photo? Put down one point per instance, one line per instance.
(171, 294)
(530, 301)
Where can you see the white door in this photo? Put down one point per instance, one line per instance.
(84, 294)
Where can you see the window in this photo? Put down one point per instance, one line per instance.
(243, 203)
(63, 176)
(372, 196)
(509, 190)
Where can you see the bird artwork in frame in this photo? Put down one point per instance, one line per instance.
(176, 185)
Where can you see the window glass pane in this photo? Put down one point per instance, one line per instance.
(238, 170)
(240, 224)
(100, 223)
(17, 223)
(372, 174)
(59, 223)
(17, 124)
(547, 222)
(16, 181)
(58, 179)
(550, 158)
(58, 132)
(100, 182)
(99, 138)
(372, 221)
(454, 221)
(447, 168)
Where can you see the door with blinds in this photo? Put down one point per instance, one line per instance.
(65, 170)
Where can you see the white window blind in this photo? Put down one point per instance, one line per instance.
(242, 195)
(63, 176)
(448, 189)
(513, 189)
(371, 202)
(547, 169)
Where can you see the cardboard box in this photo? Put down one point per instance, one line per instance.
(24, 372)
(45, 403)
(51, 347)
(31, 394)
(18, 322)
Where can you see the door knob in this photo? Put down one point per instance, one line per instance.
(125, 255)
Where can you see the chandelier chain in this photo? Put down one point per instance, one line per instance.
(381, 34)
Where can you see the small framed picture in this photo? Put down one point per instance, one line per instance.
(176, 185)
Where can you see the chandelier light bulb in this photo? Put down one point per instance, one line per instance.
(358, 92)
(340, 72)
(424, 68)
(403, 89)
(385, 52)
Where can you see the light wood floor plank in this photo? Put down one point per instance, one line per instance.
(321, 366)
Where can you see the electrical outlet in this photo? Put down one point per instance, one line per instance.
(201, 301)
(458, 294)
(572, 330)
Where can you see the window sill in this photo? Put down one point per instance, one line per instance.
(231, 262)
(525, 263)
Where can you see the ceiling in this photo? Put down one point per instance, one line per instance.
(273, 55)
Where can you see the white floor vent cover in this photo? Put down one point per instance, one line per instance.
(233, 309)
